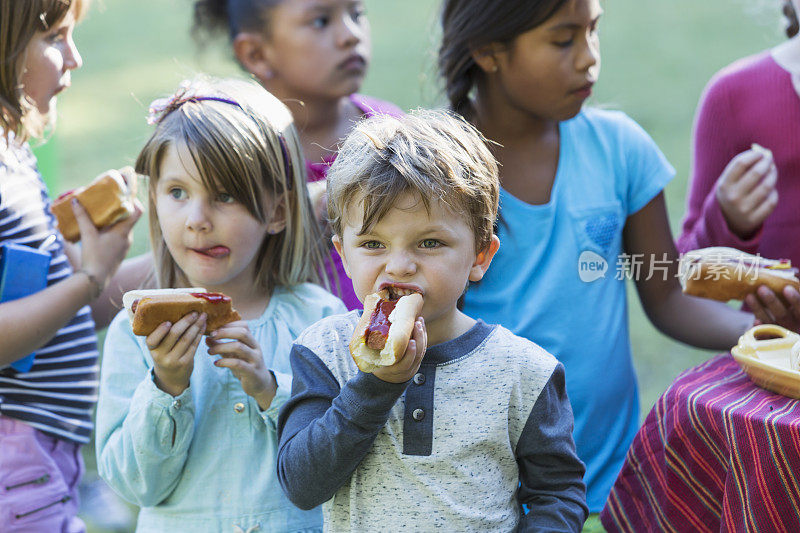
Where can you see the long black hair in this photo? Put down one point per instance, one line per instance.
(468, 25)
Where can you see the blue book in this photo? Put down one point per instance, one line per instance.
(23, 271)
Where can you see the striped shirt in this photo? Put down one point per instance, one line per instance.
(59, 392)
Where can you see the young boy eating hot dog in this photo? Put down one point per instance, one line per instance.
(461, 438)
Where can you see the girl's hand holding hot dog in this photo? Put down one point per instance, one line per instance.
(172, 347)
(103, 250)
(770, 309)
(242, 355)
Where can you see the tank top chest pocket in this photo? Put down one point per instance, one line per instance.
(598, 228)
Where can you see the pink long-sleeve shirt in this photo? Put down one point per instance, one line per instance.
(751, 101)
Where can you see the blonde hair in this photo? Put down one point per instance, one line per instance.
(433, 154)
(20, 20)
(243, 142)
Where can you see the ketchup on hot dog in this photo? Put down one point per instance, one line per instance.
(378, 329)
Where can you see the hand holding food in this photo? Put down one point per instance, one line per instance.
(108, 199)
(172, 347)
(746, 190)
(148, 309)
(386, 325)
(245, 361)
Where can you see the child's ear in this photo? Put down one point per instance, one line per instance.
(277, 221)
(249, 49)
(484, 259)
(337, 244)
(486, 57)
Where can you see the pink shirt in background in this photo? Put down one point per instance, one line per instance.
(317, 170)
(751, 101)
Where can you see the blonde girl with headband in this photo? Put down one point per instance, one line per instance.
(186, 425)
(46, 404)
(313, 56)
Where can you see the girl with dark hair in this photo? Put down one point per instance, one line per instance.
(754, 100)
(313, 56)
(581, 196)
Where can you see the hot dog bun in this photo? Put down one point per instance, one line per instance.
(107, 200)
(401, 321)
(726, 274)
(150, 308)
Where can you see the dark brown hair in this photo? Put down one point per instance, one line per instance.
(20, 20)
(468, 25)
(792, 25)
(213, 17)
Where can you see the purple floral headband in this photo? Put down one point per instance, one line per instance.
(162, 107)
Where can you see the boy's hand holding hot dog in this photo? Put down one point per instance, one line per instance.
(389, 339)
(405, 368)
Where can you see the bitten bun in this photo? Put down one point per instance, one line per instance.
(401, 325)
(107, 200)
(148, 309)
(728, 274)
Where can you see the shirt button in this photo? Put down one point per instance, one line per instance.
(419, 378)
(418, 414)
(239, 407)
(176, 404)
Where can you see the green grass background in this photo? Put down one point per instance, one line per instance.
(657, 57)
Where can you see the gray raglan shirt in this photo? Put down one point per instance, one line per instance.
(484, 427)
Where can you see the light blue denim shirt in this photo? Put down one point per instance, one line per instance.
(204, 460)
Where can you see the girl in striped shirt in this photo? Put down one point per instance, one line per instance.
(45, 412)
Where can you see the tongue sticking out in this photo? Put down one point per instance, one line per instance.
(216, 251)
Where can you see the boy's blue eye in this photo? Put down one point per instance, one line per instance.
(372, 245)
(430, 243)
(225, 198)
(177, 193)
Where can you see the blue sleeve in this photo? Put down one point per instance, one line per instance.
(551, 475)
(646, 168)
(143, 433)
(325, 431)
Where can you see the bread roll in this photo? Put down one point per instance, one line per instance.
(724, 274)
(149, 309)
(372, 325)
(107, 200)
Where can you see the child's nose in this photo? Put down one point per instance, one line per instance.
(197, 216)
(400, 265)
(590, 53)
(351, 32)
(72, 58)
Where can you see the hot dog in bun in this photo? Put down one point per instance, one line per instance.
(385, 327)
(149, 308)
(107, 199)
(728, 274)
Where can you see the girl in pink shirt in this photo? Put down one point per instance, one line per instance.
(313, 56)
(740, 197)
